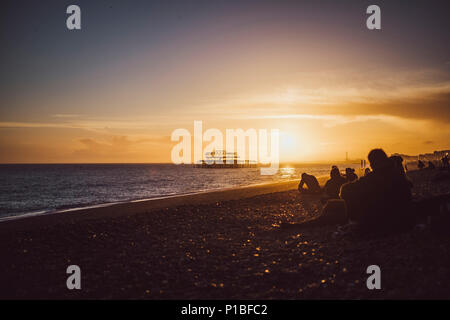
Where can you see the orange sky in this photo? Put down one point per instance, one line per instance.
(330, 87)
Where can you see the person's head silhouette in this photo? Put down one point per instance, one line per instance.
(334, 173)
(378, 159)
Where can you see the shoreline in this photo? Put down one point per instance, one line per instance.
(140, 206)
(137, 206)
(25, 201)
(41, 212)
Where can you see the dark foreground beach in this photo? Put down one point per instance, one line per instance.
(221, 245)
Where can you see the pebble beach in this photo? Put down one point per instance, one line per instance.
(220, 246)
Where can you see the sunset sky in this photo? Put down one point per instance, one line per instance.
(137, 70)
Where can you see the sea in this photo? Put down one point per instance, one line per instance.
(32, 189)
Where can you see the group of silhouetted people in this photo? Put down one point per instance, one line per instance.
(332, 186)
(445, 164)
(421, 165)
(381, 200)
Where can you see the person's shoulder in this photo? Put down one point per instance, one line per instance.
(368, 178)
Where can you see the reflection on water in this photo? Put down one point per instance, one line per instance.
(287, 173)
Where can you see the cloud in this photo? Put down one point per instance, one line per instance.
(115, 147)
(86, 124)
(420, 95)
(66, 115)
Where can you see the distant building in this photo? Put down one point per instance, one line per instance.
(435, 156)
(223, 159)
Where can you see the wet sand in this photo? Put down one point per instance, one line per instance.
(219, 245)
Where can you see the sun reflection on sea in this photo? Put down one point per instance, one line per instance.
(287, 173)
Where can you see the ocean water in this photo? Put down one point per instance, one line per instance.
(40, 188)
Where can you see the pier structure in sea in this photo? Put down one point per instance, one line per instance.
(224, 159)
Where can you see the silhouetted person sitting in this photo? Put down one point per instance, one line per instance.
(445, 162)
(380, 201)
(312, 185)
(398, 164)
(333, 186)
(420, 165)
(431, 165)
(350, 175)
